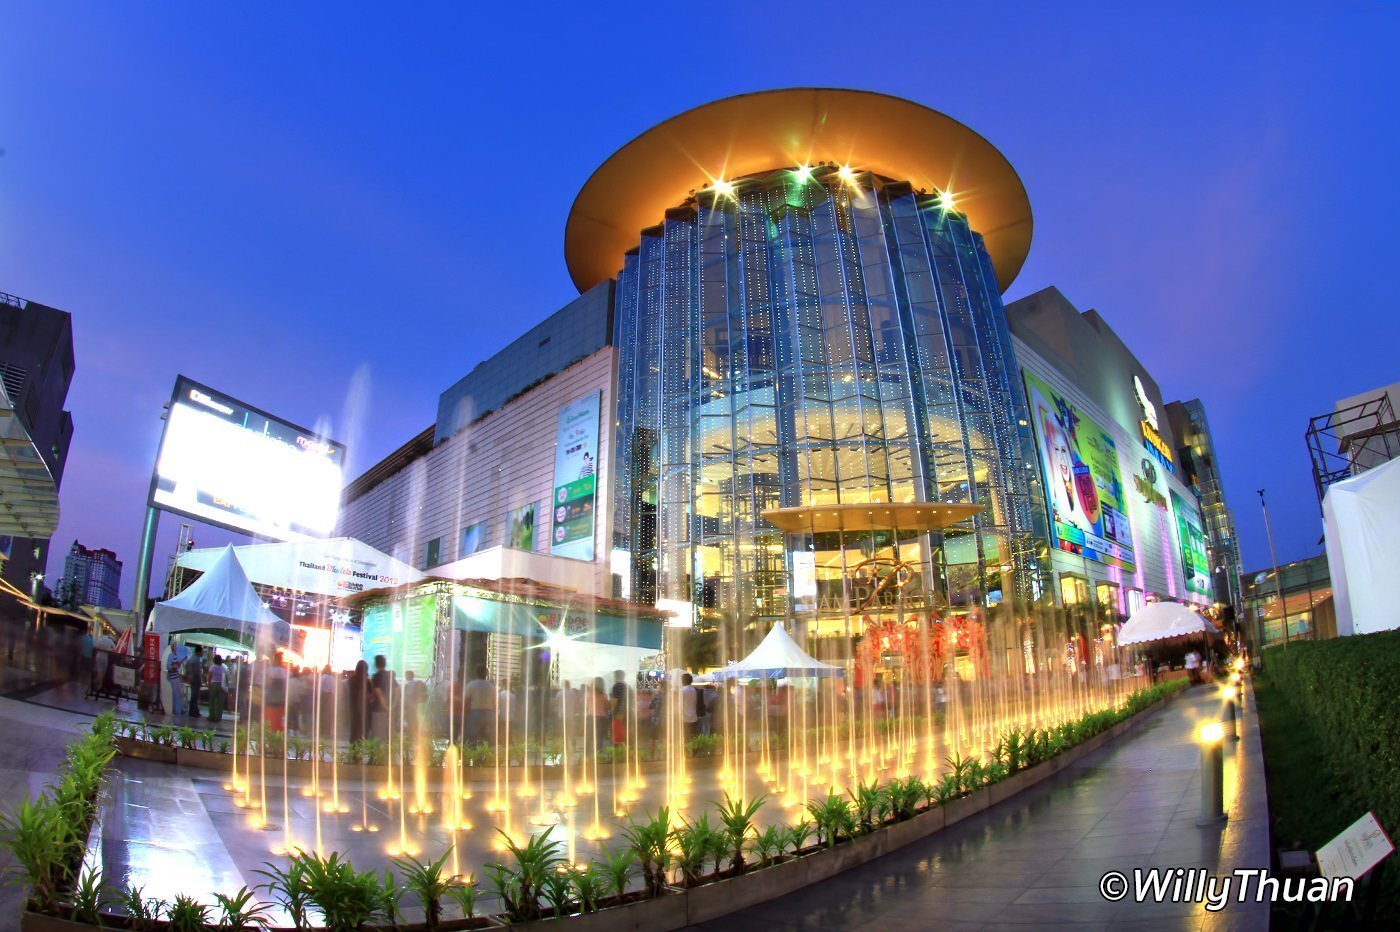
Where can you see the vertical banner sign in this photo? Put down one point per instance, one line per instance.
(150, 657)
(576, 478)
(1194, 560)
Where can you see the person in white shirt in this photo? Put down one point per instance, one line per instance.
(689, 705)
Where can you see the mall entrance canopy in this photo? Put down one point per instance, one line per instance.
(338, 566)
(871, 516)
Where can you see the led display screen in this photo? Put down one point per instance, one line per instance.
(575, 478)
(226, 463)
(1195, 562)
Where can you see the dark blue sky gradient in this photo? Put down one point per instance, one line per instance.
(271, 199)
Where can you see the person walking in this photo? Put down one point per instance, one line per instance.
(621, 704)
(217, 695)
(479, 700)
(382, 695)
(358, 690)
(328, 698)
(415, 700)
(194, 678)
(690, 707)
(596, 702)
(174, 675)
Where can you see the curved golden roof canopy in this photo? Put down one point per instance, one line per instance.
(770, 130)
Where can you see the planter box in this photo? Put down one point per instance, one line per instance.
(38, 922)
(954, 811)
(657, 914)
(146, 750)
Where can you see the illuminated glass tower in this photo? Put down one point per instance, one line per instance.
(818, 411)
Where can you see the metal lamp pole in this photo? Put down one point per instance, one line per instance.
(1278, 582)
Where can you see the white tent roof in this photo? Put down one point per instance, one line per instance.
(338, 566)
(777, 656)
(220, 600)
(1160, 620)
(1362, 517)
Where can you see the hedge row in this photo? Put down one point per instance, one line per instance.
(1350, 689)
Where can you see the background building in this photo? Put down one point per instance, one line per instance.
(1297, 594)
(91, 577)
(1138, 535)
(36, 368)
(1201, 470)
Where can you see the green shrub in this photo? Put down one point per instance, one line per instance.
(1346, 688)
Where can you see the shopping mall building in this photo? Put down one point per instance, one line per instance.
(790, 391)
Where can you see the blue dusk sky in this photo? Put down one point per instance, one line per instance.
(334, 212)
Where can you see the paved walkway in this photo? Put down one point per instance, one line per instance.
(1036, 860)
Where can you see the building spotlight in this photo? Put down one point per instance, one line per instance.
(724, 188)
(846, 174)
(803, 174)
(947, 200)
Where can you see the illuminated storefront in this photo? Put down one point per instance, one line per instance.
(806, 332)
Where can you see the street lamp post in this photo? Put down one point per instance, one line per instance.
(1278, 581)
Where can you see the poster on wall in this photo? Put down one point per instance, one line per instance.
(575, 478)
(1083, 486)
(402, 631)
(1194, 560)
(473, 537)
(520, 528)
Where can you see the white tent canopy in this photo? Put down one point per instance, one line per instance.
(220, 600)
(775, 657)
(339, 566)
(1161, 620)
(1362, 516)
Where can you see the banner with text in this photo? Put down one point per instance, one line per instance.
(576, 478)
(1194, 560)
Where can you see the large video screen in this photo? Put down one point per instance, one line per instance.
(226, 463)
(1083, 487)
(1195, 561)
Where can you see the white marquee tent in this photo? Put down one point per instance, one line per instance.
(1362, 517)
(1161, 620)
(777, 656)
(221, 600)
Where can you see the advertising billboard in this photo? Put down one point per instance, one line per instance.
(1195, 562)
(520, 527)
(228, 464)
(403, 631)
(575, 478)
(1083, 487)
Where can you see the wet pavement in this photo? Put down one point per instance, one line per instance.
(1036, 860)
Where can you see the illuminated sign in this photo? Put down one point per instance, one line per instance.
(1194, 560)
(227, 463)
(575, 478)
(1083, 488)
(1151, 427)
(1146, 485)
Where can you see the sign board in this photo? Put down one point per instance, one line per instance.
(229, 464)
(575, 478)
(403, 631)
(1360, 847)
(1194, 561)
(124, 677)
(150, 657)
(1083, 486)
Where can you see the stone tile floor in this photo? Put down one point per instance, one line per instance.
(1036, 860)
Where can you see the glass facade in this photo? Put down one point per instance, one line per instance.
(806, 340)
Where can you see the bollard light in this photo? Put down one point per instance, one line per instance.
(1212, 774)
(1229, 716)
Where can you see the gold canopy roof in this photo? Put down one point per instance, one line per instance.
(771, 130)
(882, 516)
